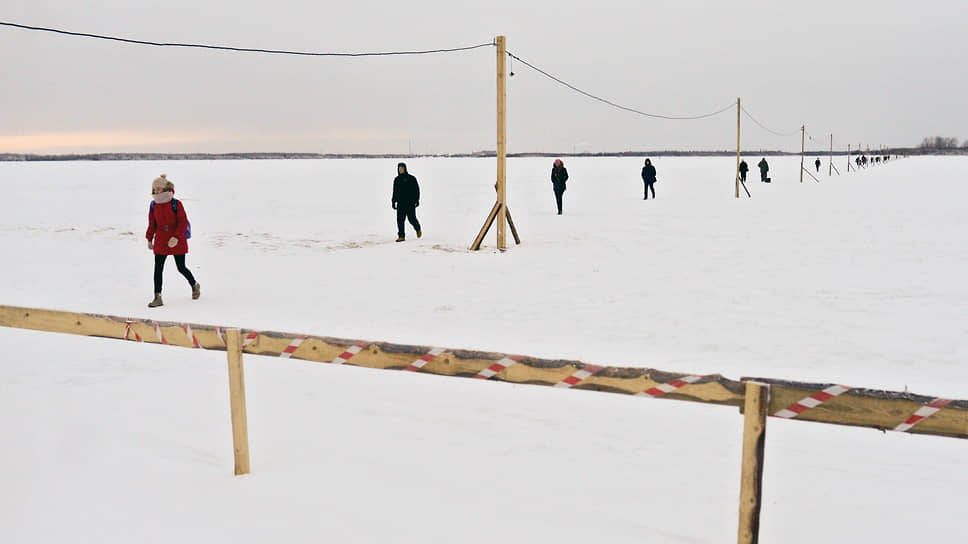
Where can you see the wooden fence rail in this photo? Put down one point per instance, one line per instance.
(883, 410)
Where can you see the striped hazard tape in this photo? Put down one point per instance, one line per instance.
(191, 335)
(812, 401)
(419, 363)
(579, 376)
(492, 370)
(922, 413)
(669, 387)
(350, 352)
(128, 330)
(249, 338)
(161, 337)
(292, 347)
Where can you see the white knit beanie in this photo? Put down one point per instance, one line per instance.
(161, 183)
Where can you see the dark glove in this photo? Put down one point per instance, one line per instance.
(394, 205)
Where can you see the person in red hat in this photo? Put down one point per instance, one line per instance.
(167, 234)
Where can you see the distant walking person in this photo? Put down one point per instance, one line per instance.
(406, 198)
(743, 169)
(648, 178)
(167, 234)
(817, 163)
(764, 169)
(559, 175)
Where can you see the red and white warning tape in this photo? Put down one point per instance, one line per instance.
(812, 401)
(492, 370)
(419, 363)
(579, 376)
(191, 336)
(663, 388)
(128, 330)
(291, 348)
(161, 337)
(350, 352)
(922, 413)
(249, 338)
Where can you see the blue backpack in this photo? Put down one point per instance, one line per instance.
(174, 210)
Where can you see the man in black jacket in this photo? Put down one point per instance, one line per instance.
(764, 169)
(406, 198)
(648, 177)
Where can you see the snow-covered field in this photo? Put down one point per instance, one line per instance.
(856, 280)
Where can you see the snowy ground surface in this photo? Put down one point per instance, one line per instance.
(856, 280)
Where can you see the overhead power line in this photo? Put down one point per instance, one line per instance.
(390, 53)
(764, 127)
(245, 49)
(613, 104)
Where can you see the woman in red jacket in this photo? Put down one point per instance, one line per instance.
(167, 226)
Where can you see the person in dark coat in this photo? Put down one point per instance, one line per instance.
(764, 169)
(648, 178)
(405, 199)
(817, 163)
(559, 175)
(166, 234)
(743, 169)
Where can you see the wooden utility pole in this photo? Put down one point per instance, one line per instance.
(803, 136)
(755, 409)
(738, 106)
(500, 210)
(240, 431)
(501, 140)
(830, 169)
(848, 158)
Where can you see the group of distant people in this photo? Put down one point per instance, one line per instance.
(559, 177)
(762, 165)
(862, 160)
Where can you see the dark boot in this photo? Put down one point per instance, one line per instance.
(155, 302)
(196, 291)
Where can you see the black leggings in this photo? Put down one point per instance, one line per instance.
(179, 262)
(558, 195)
(648, 186)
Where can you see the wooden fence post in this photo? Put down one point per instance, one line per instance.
(240, 432)
(755, 410)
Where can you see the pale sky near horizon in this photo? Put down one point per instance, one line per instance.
(871, 73)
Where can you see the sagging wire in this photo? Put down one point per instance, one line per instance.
(613, 104)
(245, 49)
(764, 127)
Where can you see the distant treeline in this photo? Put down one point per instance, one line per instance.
(921, 150)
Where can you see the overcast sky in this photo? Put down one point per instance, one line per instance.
(871, 72)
